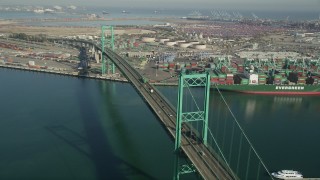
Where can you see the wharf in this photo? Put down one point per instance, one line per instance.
(65, 73)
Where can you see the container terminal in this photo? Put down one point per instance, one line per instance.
(160, 56)
(162, 51)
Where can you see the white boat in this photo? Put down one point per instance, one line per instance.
(38, 11)
(287, 174)
(49, 10)
(72, 7)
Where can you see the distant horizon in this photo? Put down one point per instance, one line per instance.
(168, 8)
(181, 12)
(253, 5)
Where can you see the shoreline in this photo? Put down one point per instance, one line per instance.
(117, 79)
(97, 77)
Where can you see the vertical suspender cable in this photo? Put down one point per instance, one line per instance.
(235, 119)
(230, 151)
(224, 132)
(239, 153)
(248, 163)
(258, 173)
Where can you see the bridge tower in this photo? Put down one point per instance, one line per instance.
(109, 41)
(187, 81)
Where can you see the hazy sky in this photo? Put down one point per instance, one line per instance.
(299, 5)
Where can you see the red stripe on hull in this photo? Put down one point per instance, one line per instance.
(280, 93)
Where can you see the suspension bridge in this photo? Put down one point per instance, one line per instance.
(233, 157)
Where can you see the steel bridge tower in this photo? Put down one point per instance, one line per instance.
(187, 81)
(109, 41)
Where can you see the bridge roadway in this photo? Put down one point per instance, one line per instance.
(206, 164)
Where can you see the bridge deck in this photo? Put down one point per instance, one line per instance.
(206, 164)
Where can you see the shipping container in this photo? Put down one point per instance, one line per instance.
(222, 76)
(178, 67)
(244, 81)
(284, 79)
(262, 82)
(240, 70)
(277, 76)
(193, 64)
(277, 81)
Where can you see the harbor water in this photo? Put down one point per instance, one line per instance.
(61, 127)
(113, 12)
(283, 130)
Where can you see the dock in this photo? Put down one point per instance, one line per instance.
(65, 73)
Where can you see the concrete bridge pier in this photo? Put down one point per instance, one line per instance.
(93, 50)
(97, 56)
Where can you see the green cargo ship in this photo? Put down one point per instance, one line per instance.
(271, 89)
(285, 77)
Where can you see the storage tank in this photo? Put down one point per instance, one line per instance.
(163, 40)
(170, 43)
(194, 42)
(180, 41)
(148, 39)
(200, 46)
(184, 45)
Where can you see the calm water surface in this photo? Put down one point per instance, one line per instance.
(283, 129)
(58, 127)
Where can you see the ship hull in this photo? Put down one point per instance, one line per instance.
(272, 89)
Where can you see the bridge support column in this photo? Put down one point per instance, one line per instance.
(110, 43)
(97, 56)
(181, 169)
(187, 81)
(93, 50)
(113, 68)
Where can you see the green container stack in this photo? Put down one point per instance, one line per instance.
(233, 70)
(277, 76)
(316, 81)
(277, 79)
(262, 80)
(301, 80)
(244, 81)
(283, 80)
(222, 76)
(261, 75)
(213, 75)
